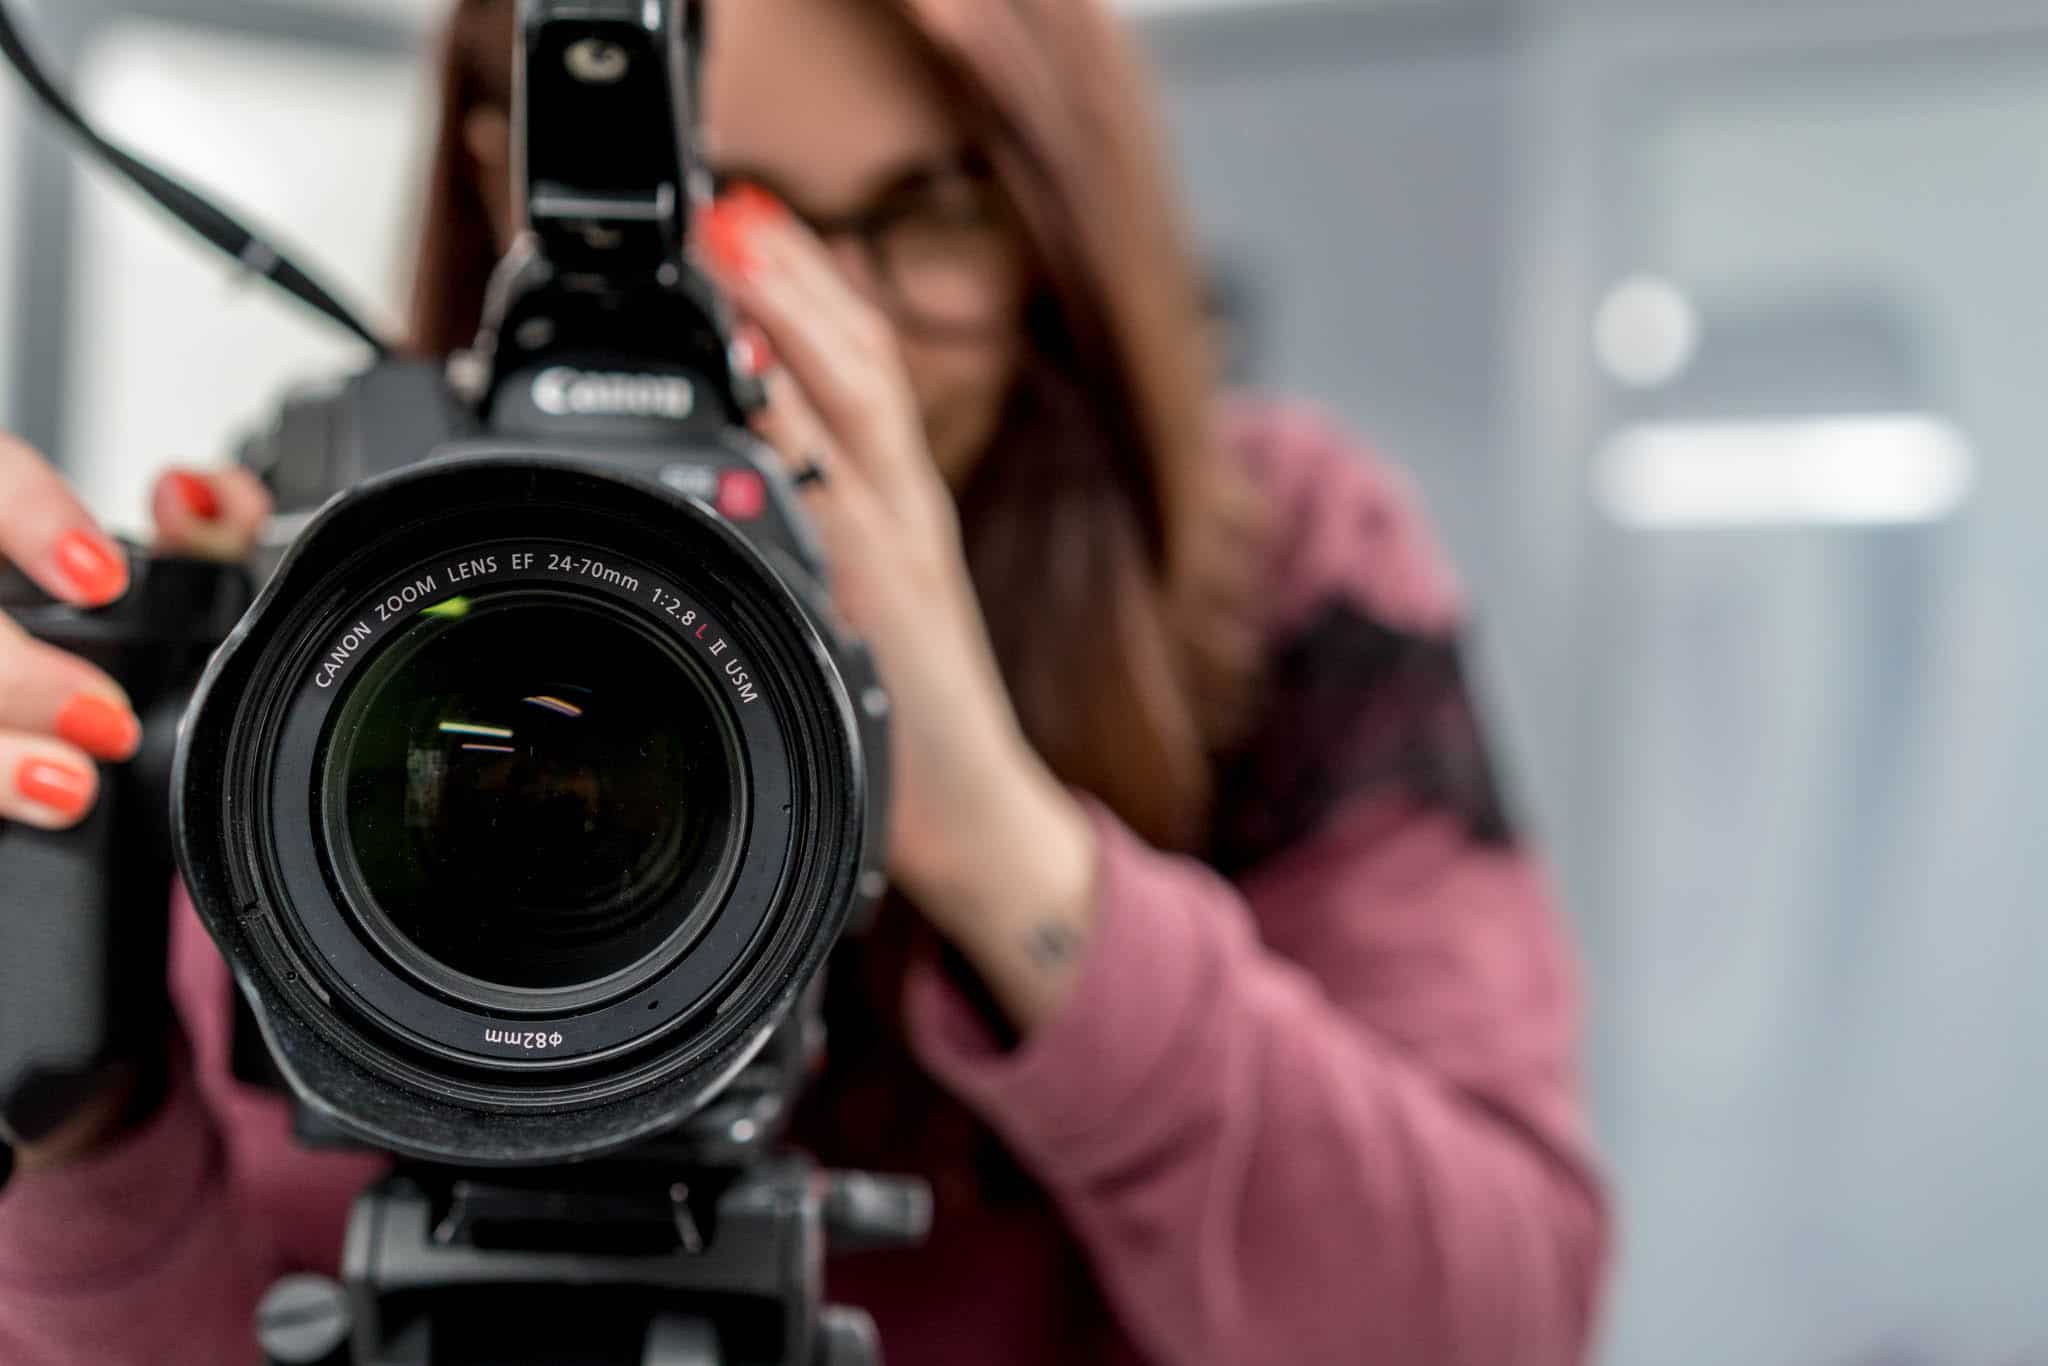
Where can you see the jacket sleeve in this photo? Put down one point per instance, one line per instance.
(137, 1256)
(1326, 1113)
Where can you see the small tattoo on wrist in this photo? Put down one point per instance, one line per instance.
(1055, 944)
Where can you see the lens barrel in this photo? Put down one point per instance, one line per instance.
(523, 803)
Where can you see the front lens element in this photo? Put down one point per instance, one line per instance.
(532, 789)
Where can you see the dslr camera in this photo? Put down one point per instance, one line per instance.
(526, 800)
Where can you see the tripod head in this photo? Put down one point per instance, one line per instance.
(704, 1249)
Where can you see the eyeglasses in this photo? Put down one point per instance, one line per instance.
(937, 241)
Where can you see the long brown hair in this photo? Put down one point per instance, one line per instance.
(1112, 543)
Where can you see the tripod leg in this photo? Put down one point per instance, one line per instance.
(674, 1340)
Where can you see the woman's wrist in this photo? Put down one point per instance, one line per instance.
(1020, 903)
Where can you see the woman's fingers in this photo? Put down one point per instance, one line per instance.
(46, 692)
(215, 514)
(839, 490)
(57, 712)
(47, 532)
(838, 347)
(44, 783)
(840, 502)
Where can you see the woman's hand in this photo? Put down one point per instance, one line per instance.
(983, 838)
(59, 715)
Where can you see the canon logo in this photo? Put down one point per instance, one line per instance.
(565, 392)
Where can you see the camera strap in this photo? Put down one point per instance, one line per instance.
(184, 204)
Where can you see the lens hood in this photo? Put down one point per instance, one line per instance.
(410, 1055)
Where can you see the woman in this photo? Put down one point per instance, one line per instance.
(1216, 998)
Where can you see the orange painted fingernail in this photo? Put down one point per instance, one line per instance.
(195, 494)
(755, 205)
(92, 566)
(730, 223)
(62, 788)
(101, 727)
(725, 237)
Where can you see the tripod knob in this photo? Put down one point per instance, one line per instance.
(847, 1337)
(304, 1321)
(864, 1212)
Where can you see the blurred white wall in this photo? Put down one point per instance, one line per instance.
(420, 12)
(1811, 754)
(173, 354)
(12, 111)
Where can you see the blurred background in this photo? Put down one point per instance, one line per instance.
(1710, 328)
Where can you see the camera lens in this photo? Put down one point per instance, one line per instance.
(530, 792)
(527, 802)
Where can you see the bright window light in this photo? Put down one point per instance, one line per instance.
(1645, 332)
(1857, 469)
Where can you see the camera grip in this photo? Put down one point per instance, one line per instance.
(85, 913)
(60, 983)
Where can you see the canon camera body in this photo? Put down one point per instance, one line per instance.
(539, 781)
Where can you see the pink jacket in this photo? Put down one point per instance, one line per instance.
(1322, 1109)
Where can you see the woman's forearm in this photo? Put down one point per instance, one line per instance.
(1021, 905)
